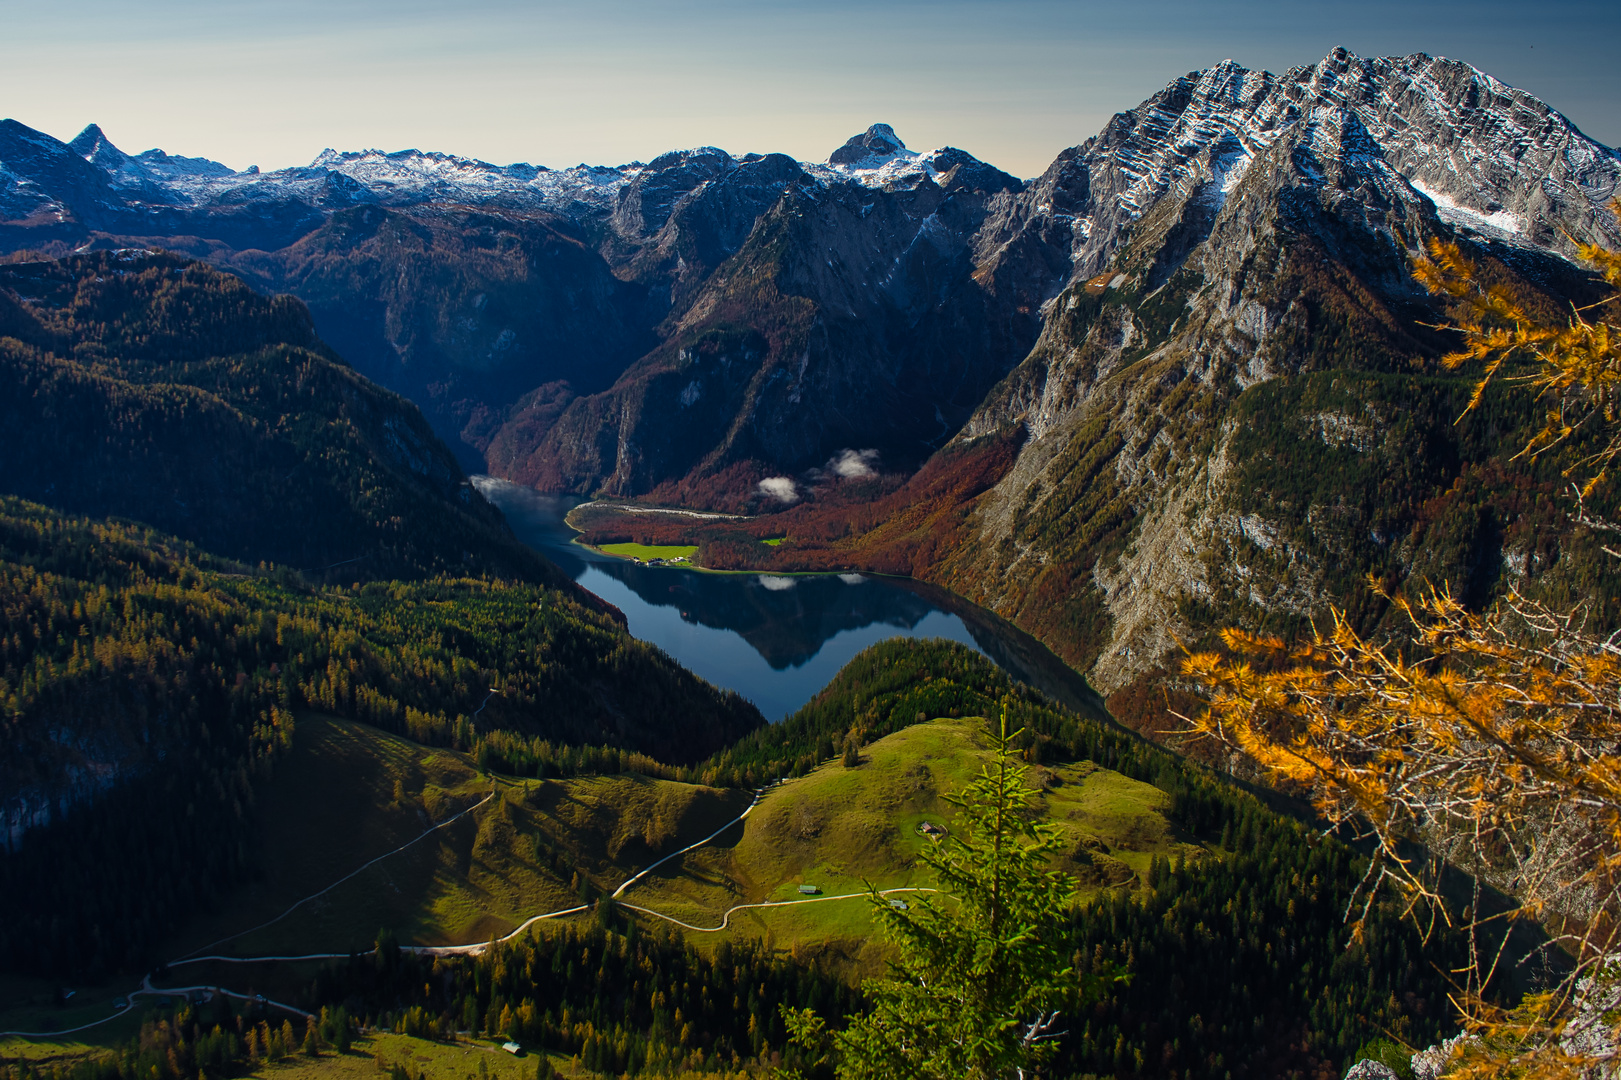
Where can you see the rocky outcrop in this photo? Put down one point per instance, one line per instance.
(1370, 1070)
(1241, 306)
(871, 149)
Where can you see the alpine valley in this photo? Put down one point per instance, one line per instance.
(262, 631)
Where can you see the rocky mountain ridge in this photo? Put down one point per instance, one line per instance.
(1243, 305)
(1436, 139)
(637, 247)
(401, 178)
(462, 284)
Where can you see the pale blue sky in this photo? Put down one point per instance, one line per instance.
(555, 84)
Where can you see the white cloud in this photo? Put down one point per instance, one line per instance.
(776, 584)
(852, 579)
(780, 488)
(852, 463)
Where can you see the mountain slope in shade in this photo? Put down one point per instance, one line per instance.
(463, 309)
(551, 288)
(144, 386)
(849, 317)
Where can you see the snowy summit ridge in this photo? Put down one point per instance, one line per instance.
(1486, 157)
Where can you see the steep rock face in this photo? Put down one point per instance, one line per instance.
(849, 318)
(705, 225)
(1496, 158)
(1230, 418)
(496, 295)
(645, 203)
(43, 181)
(873, 148)
(126, 175)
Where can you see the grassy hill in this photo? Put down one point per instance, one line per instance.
(544, 845)
(838, 828)
(536, 846)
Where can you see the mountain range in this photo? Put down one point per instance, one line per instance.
(1183, 376)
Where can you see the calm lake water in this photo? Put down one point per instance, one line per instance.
(775, 639)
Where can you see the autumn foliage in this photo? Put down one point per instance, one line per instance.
(1486, 741)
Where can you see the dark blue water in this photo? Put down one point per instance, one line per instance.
(775, 639)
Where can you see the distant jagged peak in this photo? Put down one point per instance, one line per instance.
(92, 144)
(329, 157)
(177, 166)
(1491, 158)
(707, 158)
(414, 166)
(143, 175)
(334, 159)
(877, 158)
(879, 138)
(1342, 79)
(955, 168)
(872, 149)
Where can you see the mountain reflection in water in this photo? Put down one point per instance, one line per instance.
(775, 639)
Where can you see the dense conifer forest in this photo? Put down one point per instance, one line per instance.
(1241, 962)
(179, 674)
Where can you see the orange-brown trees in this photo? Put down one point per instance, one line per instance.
(1490, 741)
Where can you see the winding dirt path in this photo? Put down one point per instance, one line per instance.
(473, 949)
(758, 795)
(774, 904)
(147, 989)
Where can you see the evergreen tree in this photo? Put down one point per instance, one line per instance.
(982, 984)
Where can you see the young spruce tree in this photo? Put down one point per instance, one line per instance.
(982, 983)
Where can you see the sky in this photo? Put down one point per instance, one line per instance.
(249, 82)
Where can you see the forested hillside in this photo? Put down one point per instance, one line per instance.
(141, 385)
(1241, 965)
(146, 684)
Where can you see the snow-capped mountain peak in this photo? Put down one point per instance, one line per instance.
(1489, 158)
(877, 158)
(874, 149)
(92, 141)
(1482, 155)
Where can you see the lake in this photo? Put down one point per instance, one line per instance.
(775, 639)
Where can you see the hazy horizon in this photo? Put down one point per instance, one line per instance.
(1013, 83)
